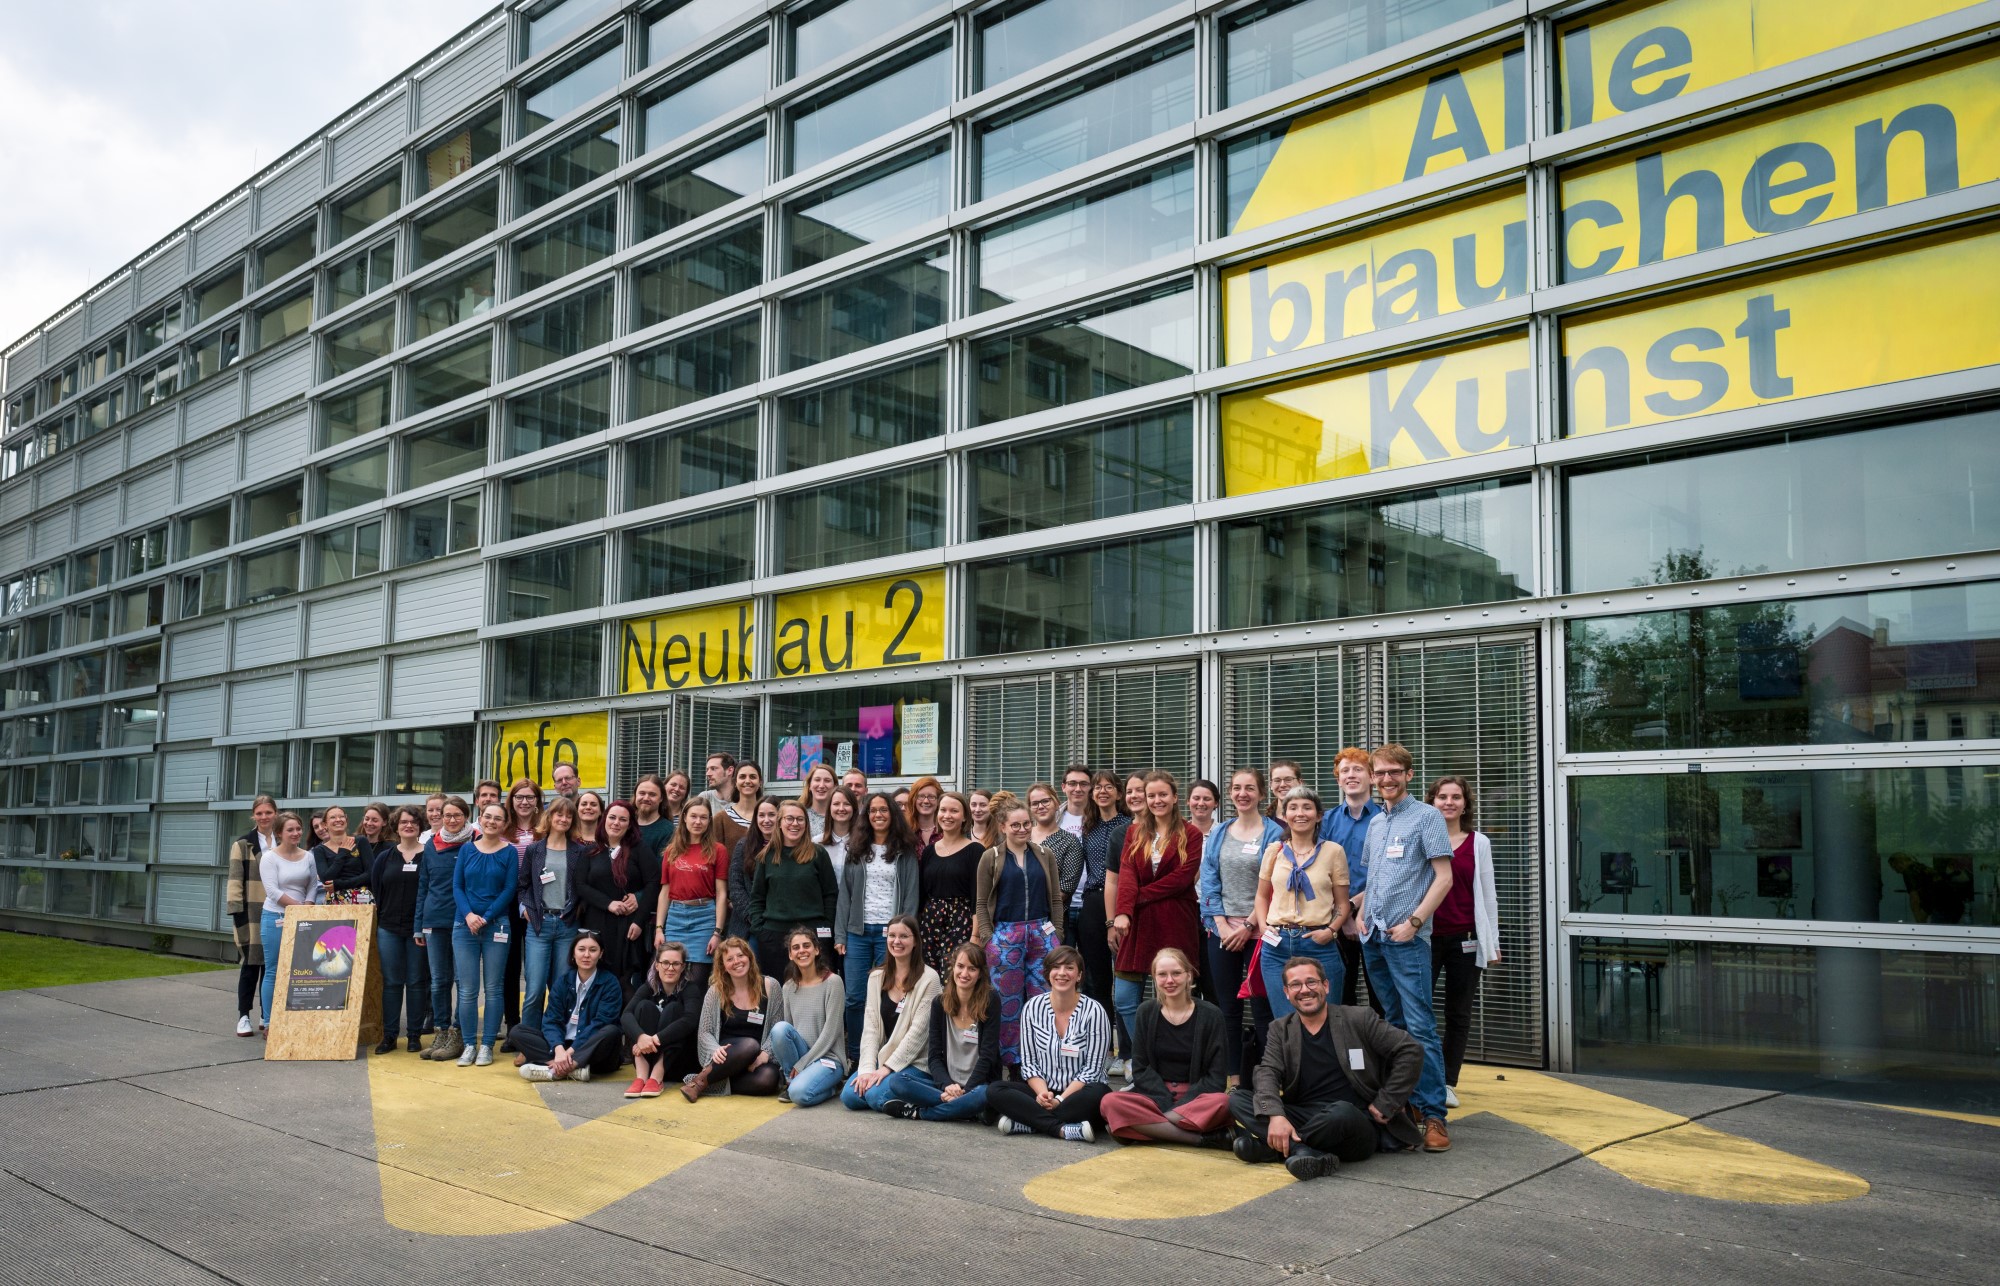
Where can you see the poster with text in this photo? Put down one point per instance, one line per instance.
(920, 738)
(322, 964)
(878, 740)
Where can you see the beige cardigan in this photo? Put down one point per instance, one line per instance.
(910, 1042)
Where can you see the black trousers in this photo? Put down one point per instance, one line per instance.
(1225, 971)
(1461, 986)
(510, 986)
(1087, 931)
(601, 1053)
(249, 977)
(1355, 970)
(1015, 1099)
(1340, 1128)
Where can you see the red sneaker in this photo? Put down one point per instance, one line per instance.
(636, 1088)
(653, 1090)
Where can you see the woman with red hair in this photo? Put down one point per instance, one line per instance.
(1157, 903)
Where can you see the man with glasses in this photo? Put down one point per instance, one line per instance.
(1332, 1084)
(1405, 873)
(1076, 799)
(566, 783)
(1346, 824)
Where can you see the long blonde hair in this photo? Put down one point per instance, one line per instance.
(719, 980)
(1145, 827)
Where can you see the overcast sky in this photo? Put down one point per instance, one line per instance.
(126, 118)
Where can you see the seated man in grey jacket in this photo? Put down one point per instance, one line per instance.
(1334, 1080)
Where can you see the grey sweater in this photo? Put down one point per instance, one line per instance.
(820, 1014)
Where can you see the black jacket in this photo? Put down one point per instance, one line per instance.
(1390, 1064)
(985, 1067)
(1208, 1072)
(671, 1016)
(347, 868)
(394, 891)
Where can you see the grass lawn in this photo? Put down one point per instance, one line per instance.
(28, 960)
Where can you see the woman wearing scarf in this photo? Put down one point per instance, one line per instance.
(1301, 899)
(434, 917)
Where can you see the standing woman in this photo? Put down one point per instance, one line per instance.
(1178, 1081)
(1157, 907)
(878, 884)
(1284, 780)
(979, 811)
(677, 788)
(920, 810)
(843, 819)
(437, 911)
(649, 796)
(738, 817)
(809, 1044)
(818, 787)
(794, 887)
(580, 1036)
(342, 867)
(1465, 931)
(732, 1038)
(1204, 797)
(1047, 811)
(630, 952)
(896, 1022)
(693, 903)
(548, 905)
(392, 882)
(1301, 899)
(1065, 1039)
(524, 801)
(589, 819)
(1231, 860)
(484, 883)
(947, 884)
(659, 1022)
(963, 1056)
(246, 906)
(376, 833)
(1104, 824)
(1018, 919)
(1135, 808)
(290, 879)
(747, 850)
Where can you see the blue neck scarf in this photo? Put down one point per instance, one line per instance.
(1298, 883)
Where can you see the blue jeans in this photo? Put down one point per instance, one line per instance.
(437, 946)
(1294, 943)
(812, 1084)
(865, 950)
(1400, 972)
(399, 983)
(914, 1085)
(270, 930)
(1125, 996)
(545, 949)
(482, 968)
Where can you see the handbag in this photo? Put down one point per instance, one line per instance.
(1253, 974)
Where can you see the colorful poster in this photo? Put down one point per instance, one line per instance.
(788, 759)
(843, 758)
(812, 753)
(878, 740)
(321, 965)
(920, 738)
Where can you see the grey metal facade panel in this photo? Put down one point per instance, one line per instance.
(23, 364)
(14, 548)
(442, 604)
(17, 501)
(52, 533)
(462, 78)
(206, 412)
(435, 683)
(261, 705)
(208, 473)
(264, 639)
(275, 379)
(149, 495)
(190, 776)
(371, 138)
(63, 338)
(222, 236)
(184, 901)
(55, 481)
(190, 839)
(97, 516)
(290, 192)
(153, 438)
(274, 447)
(345, 623)
(102, 461)
(192, 653)
(342, 694)
(163, 271)
(111, 308)
(193, 713)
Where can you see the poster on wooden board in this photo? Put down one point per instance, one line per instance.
(327, 1001)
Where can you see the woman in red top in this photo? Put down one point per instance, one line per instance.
(1158, 906)
(694, 891)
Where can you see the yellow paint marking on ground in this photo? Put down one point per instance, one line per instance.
(1147, 1182)
(476, 1150)
(1972, 1118)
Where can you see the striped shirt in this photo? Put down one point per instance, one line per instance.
(1061, 1060)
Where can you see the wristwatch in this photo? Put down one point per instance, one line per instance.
(1416, 922)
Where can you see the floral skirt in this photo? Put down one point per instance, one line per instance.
(1014, 958)
(945, 922)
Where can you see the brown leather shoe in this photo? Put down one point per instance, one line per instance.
(520, 1060)
(695, 1086)
(1435, 1137)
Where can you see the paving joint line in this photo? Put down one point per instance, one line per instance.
(113, 1013)
(162, 1247)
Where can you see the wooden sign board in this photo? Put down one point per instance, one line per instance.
(327, 1001)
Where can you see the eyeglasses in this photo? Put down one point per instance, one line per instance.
(1392, 772)
(529, 798)
(1310, 984)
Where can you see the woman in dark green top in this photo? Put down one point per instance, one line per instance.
(793, 886)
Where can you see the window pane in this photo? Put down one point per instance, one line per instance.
(694, 367)
(361, 275)
(204, 532)
(1440, 547)
(546, 499)
(550, 24)
(439, 527)
(426, 761)
(1020, 37)
(216, 352)
(1124, 467)
(1281, 42)
(553, 665)
(714, 89)
(874, 307)
(833, 715)
(1110, 349)
(1066, 245)
(453, 155)
(877, 206)
(674, 27)
(347, 552)
(367, 208)
(845, 522)
(459, 224)
(691, 461)
(563, 329)
(691, 553)
(271, 574)
(701, 274)
(357, 343)
(566, 247)
(279, 257)
(1107, 111)
(450, 375)
(877, 411)
(440, 305)
(824, 31)
(274, 509)
(686, 192)
(1901, 665)
(583, 157)
(546, 582)
(558, 93)
(1102, 593)
(278, 322)
(445, 451)
(357, 766)
(848, 115)
(561, 412)
(355, 480)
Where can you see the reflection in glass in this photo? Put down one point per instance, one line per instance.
(871, 517)
(548, 665)
(833, 715)
(701, 274)
(444, 451)
(435, 528)
(1282, 42)
(1125, 467)
(278, 258)
(557, 93)
(850, 114)
(459, 224)
(676, 26)
(879, 410)
(691, 462)
(875, 206)
(1787, 504)
(278, 322)
(449, 375)
(342, 553)
(567, 246)
(546, 582)
(550, 24)
(695, 366)
(688, 554)
(1900, 665)
(365, 209)
(559, 496)
(563, 329)
(361, 275)
(714, 89)
(822, 32)
(268, 574)
(357, 343)
(561, 412)
(1108, 349)
(1103, 593)
(1129, 103)
(1021, 36)
(1064, 245)
(477, 141)
(580, 159)
(888, 302)
(685, 192)
(354, 480)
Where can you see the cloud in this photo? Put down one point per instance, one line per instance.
(126, 120)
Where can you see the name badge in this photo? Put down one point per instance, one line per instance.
(500, 936)
(1252, 846)
(1468, 946)
(900, 1004)
(1270, 937)
(409, 866)
(970, 1035)
(1394, 851)
(755, 1016)
(823, 932)
(1072, 1051)
(548, 877)
(1357, 1060)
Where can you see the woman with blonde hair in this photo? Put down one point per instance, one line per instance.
(814, 792)
(1157, 905)
(733, 1037)
(1179, 1069)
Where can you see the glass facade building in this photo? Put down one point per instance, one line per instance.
(1599, 399)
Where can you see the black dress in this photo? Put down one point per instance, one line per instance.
(947, 887)
(598, 886)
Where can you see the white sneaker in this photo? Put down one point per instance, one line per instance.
(1118, 1067)
(244, 1027)
(465, 1059)
(1450, 1097)
(484, 1058)
(1008, 1125)
(536, 1072)
(579, 1073)
(1079, 1133)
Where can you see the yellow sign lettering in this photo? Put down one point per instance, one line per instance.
(532, 748)
(864, 625)
(698, 648)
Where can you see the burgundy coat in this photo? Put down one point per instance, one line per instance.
(1162, 904)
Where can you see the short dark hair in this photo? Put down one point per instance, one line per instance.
(1076, 768)
(1296, 962)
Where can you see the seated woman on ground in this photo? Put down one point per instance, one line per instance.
(896, 1017)
(1179, 1069)
(964, 1053)
(732, 1040)
(1065, 1040)
(579, 1036)
(659, 1023)
(809, 1043)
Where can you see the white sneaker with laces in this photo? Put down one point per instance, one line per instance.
(579, 1073)
(244, 1027)
(484, 1058)
(1079, 1133)
(1450, 1097)
(536, 1072)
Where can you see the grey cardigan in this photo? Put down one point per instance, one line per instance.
(1390, 1063)
(852, 907)
(708, 1032)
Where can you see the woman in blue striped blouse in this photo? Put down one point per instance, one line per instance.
(1065, 1041)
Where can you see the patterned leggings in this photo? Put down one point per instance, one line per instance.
(1014, 957)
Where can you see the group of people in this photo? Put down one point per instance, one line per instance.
(933, 954)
